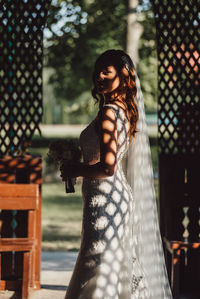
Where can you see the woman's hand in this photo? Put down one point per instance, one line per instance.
(69, 170)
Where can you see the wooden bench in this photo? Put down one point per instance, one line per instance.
(21, 170)
(17, 197)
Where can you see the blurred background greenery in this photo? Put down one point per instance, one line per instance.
(76, 33)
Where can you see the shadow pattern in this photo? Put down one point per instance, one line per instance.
(106, 266)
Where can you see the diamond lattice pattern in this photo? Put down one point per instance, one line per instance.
(178, 46)
(21, 31)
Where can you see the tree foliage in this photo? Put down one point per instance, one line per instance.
(87, 29)
(78, 31)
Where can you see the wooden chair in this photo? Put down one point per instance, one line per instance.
(179, 219)
(17, 197)
(22, 170)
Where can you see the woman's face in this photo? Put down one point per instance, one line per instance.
(107, 79)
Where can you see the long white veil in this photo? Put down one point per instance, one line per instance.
(145, 226)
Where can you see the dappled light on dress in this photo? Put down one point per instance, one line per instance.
(106, 266)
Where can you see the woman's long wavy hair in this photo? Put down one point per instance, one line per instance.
(126, 91)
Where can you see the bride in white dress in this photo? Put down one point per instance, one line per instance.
(116, 260)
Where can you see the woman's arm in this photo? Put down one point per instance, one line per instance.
(108, 151)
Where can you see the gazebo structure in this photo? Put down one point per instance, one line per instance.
(178, 48)
(21, 53)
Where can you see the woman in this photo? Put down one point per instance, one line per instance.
(112, 261)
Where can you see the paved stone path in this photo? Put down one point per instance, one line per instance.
(55, 275)
(56, 272)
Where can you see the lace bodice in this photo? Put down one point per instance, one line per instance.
(90, 137)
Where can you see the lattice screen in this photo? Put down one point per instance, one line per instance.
(178, 46)
(21, 38)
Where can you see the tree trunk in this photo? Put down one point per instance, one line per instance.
(134, 31)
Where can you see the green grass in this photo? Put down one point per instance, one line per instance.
(154, 156)
(61, 217)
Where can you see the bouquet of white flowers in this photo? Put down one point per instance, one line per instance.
(68, 151)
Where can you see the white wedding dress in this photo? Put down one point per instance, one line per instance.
(107, 266)
(121, 254)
